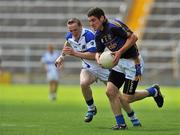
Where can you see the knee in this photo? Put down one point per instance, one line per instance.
(128, 99)
(110, 94)
(84, 83)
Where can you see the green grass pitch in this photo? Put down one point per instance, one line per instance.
(26, 110)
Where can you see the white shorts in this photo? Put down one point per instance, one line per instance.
(52, 75)
(99, 73)
(127, 67)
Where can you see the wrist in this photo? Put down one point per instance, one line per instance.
(61, 57)
(121, 51)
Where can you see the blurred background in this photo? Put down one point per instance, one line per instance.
(28, 26)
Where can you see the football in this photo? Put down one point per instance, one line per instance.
(106, 59)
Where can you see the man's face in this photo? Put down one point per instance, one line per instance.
(95, 23)
(50, 48)
(75, 29)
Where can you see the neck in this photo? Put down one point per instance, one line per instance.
(103, 25)
(78, 36)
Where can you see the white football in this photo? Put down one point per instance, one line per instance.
(106, 59)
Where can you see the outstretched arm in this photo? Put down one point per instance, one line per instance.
(59, 61)
(84, 55)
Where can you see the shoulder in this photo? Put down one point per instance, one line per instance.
(118, 24)
(68, 35)
(89, 35)
(114, 24)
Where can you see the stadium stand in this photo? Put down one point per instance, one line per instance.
(160, 42)
(27, 26)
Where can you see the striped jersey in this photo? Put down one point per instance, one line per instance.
(86, 43)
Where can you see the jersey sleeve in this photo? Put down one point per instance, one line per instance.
(90, 42)
(68, 35)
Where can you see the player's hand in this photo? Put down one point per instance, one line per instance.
(117, 55)
(138, 72)
(59, 62)
(97, 60)
(68, 50)
(100, 64)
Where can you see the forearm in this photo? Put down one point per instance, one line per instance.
(129, 43)
(66, 43)
(85, 55)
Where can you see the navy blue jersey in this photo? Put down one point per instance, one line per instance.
(114, 36)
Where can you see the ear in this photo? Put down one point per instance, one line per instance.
(102, 18)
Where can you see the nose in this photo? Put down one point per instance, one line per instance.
(90, 22)
(92, 25)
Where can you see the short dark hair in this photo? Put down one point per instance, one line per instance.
(74, 20)
(97, 12)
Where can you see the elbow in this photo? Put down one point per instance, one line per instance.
(135, 38)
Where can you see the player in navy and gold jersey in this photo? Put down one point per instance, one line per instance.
(128, 65)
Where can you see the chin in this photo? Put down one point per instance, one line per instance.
(94, 29)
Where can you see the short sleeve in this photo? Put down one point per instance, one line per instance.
(68, 35)
(90, 42)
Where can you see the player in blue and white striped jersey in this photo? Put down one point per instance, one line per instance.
(80, 43)
(52, 72)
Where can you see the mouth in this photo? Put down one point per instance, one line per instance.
(94, 27)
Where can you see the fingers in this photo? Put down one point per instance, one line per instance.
(113, 53)
(59, 66)
(115, 61)
(68, 50)
(59, 63)
(56, 64)
(116, 57)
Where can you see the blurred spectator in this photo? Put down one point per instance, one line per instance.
(48, 60)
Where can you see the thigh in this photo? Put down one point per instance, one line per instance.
(52, 75)
(116, 78)
(112, 89)
(130, 86)
(87, 77)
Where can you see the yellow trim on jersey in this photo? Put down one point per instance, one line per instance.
(119, 25)
(116, 23)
